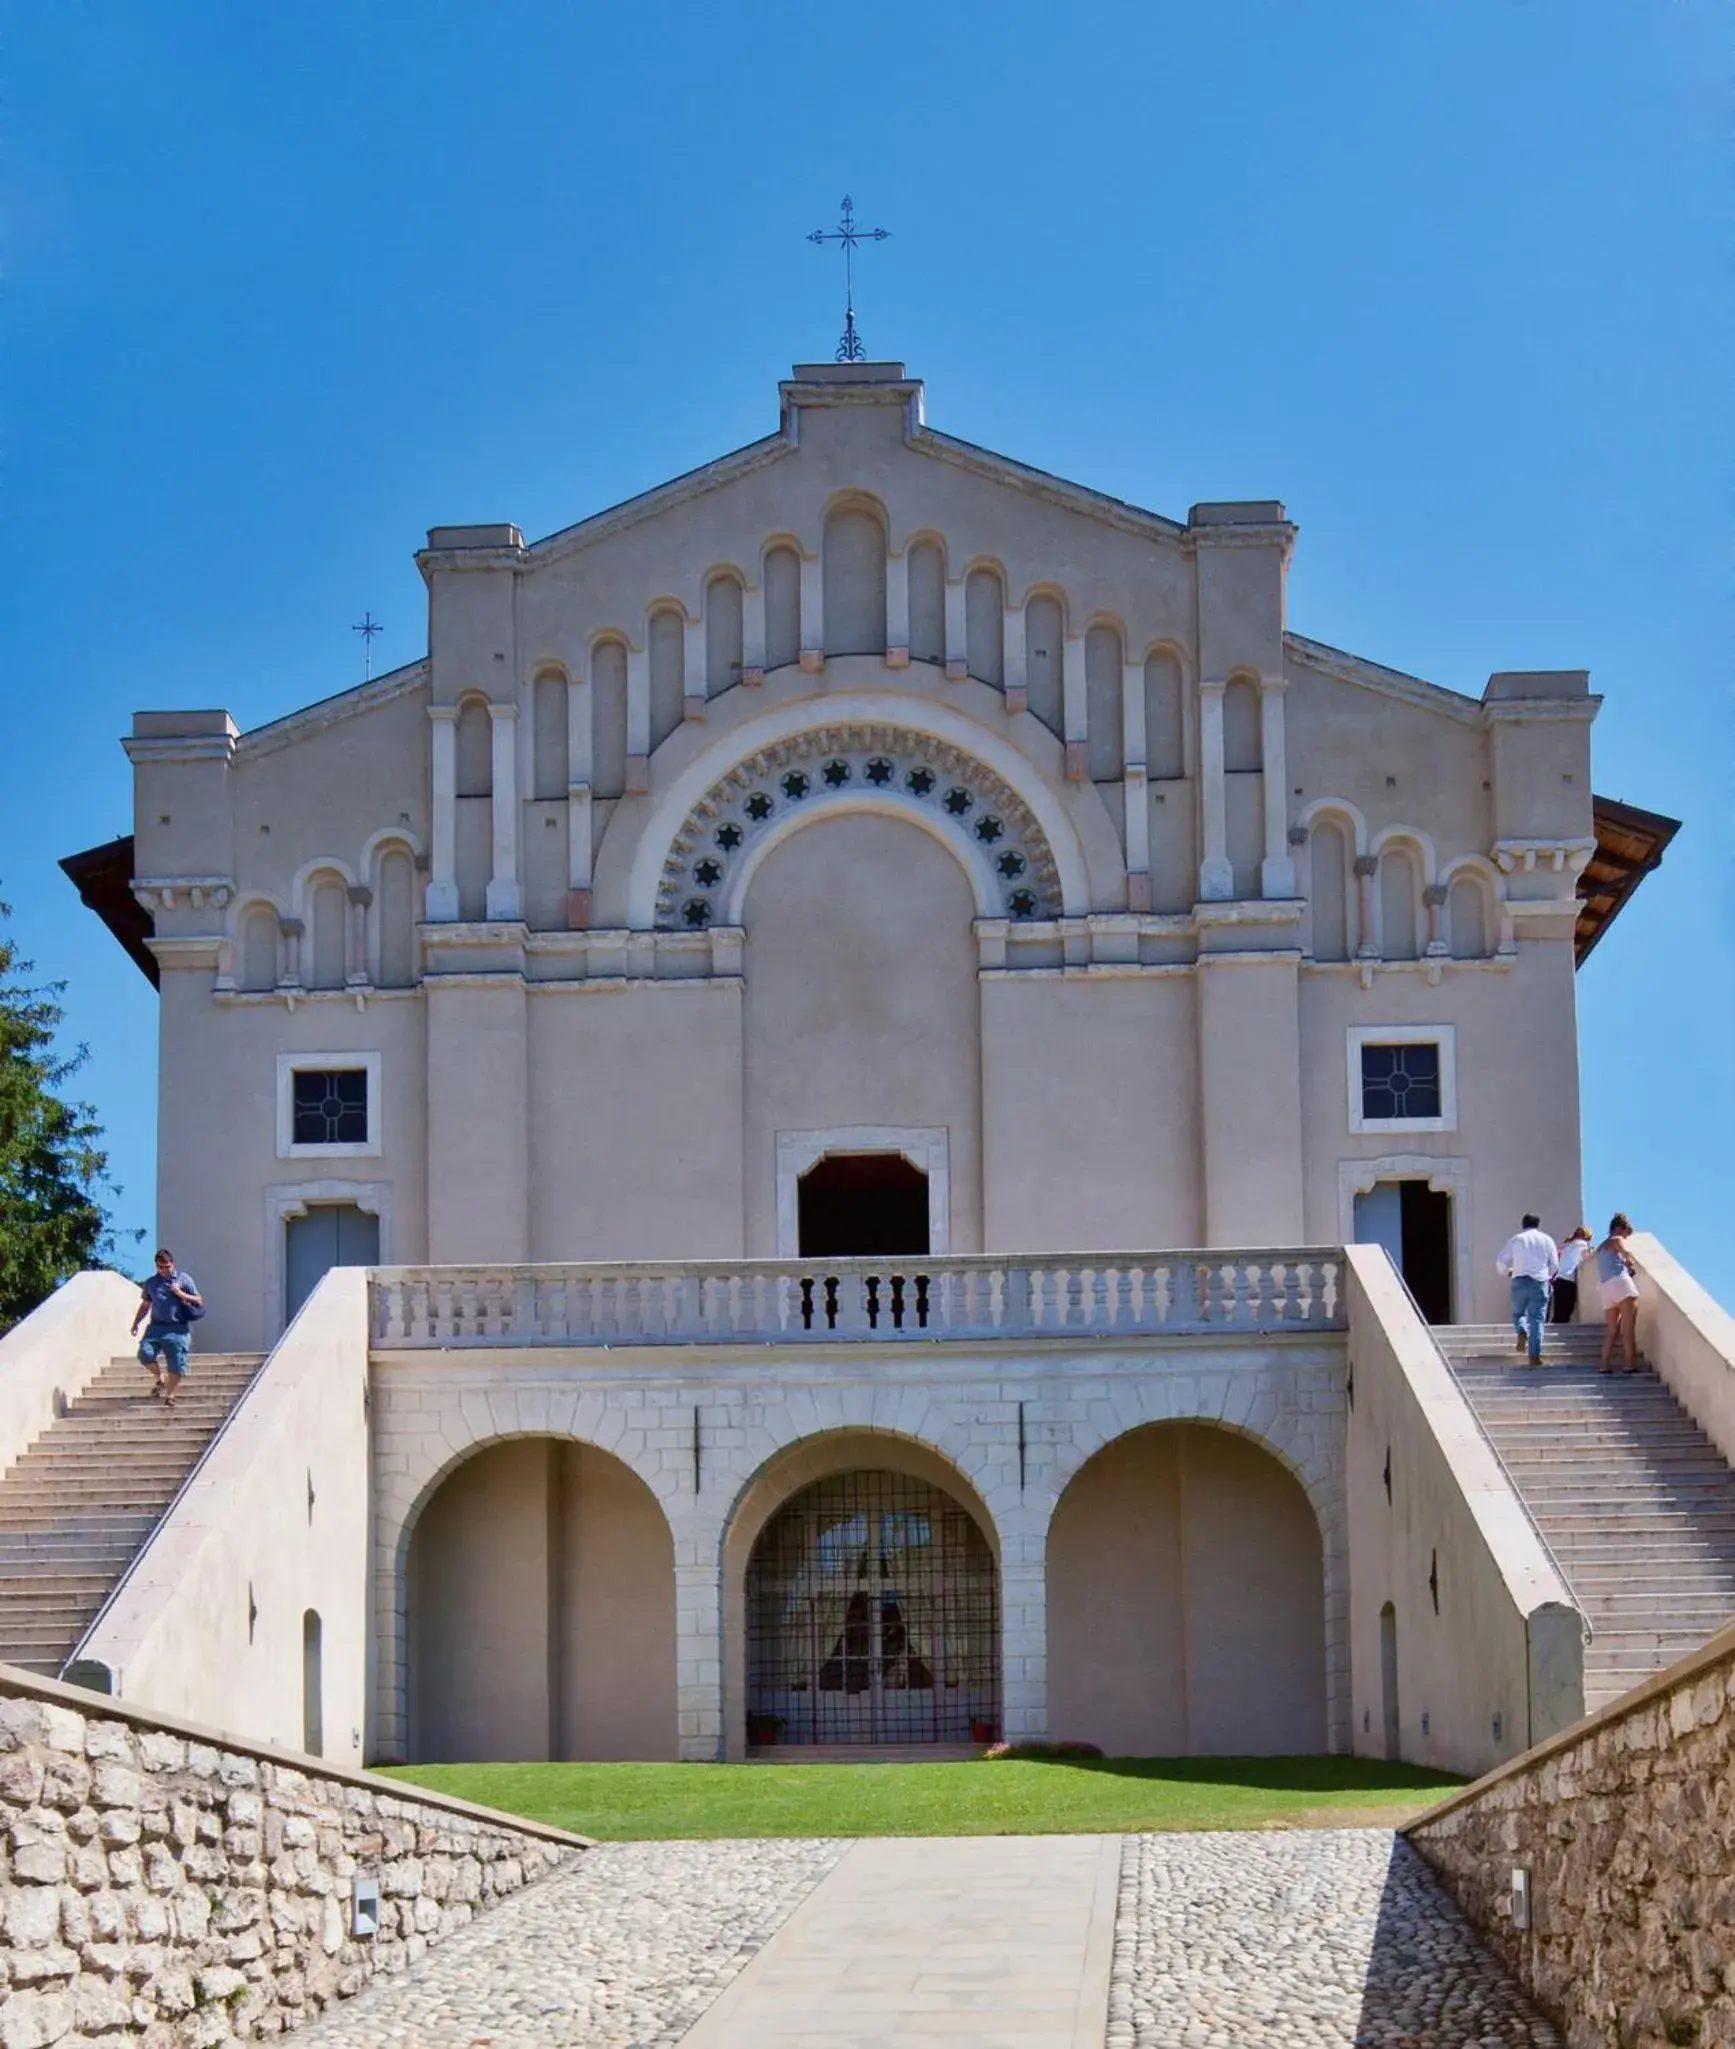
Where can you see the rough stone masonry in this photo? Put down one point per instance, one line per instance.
(165, 1887)
(1626, 1826)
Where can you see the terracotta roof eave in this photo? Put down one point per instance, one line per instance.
(1630, 842)
(103, 877)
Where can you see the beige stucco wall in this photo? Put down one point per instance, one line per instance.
(1516, 1145)
(861, 1005)
(1067, 1163)
(634, 1147)
(1689, 1338)
(1490, 1646)
(208, 1621)
(567, 1081)
(221, 1185)
(1186, 1601)
(50, 1356)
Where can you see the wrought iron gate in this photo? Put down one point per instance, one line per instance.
(873, 1617)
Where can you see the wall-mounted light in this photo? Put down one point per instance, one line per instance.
(1520, 1897)
(364, 1907)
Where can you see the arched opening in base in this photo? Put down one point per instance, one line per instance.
(1186, 1601)
(540, 1599)
(873, 1618)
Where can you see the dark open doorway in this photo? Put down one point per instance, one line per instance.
(1426, 1220)
(872, 1205)
(1414, 1223)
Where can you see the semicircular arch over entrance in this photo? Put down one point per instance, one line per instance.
(797, 1474)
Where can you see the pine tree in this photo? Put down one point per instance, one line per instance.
(53, 1169)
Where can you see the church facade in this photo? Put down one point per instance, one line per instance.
(865, 847)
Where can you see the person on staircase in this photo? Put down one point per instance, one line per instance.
(1615, 1268)
(171, 1300)
(1574, 1251)
(1529, 1260)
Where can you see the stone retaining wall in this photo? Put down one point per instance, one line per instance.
(164, 1885)
(1626, 1825)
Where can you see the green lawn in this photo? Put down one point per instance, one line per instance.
(629, 1802)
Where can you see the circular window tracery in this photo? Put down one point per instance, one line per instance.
(821, 768)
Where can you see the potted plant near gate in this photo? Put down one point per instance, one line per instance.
(762, 1729)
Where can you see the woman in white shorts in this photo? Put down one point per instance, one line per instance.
(1615, 1268)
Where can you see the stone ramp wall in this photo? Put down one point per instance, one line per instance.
(163, 1884)
(1626, 1824)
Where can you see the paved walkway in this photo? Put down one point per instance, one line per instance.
(1002, 1942)
(1303, 1939)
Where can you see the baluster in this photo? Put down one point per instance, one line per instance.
(1332, 1289)
(1192, 1278)
(1262, 1293)
(1291, 1308)
(1019, 1307)
(518, 1311)
(847, 1297)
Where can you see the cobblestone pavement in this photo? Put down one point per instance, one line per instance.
(622, 1950)
(1311, 1939)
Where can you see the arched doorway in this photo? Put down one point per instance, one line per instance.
(1186, 1601)
(541, 1611)
(872, 1618)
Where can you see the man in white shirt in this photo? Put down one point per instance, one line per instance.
(1530, 1260)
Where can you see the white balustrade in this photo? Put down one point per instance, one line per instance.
(859, 1300)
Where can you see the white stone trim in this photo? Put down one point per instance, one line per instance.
(924, 1146)
(291, 1064)
(1450, 1176)
(1444, 1036)
(287, 1200)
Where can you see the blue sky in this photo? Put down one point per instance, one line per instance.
(289, 285)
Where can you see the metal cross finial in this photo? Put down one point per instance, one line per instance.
(367, 629)
(850, 349)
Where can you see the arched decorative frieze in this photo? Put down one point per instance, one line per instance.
(872, 766)
(1478, 917)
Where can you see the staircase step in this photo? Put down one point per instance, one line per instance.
(1633, 1499)
(83, 1500)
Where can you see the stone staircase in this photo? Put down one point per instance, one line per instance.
(77, 1508)
(1636, 1502)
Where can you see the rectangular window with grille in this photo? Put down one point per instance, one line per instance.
(1400, 1082)
(1403, 1078)
(330, 1106)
